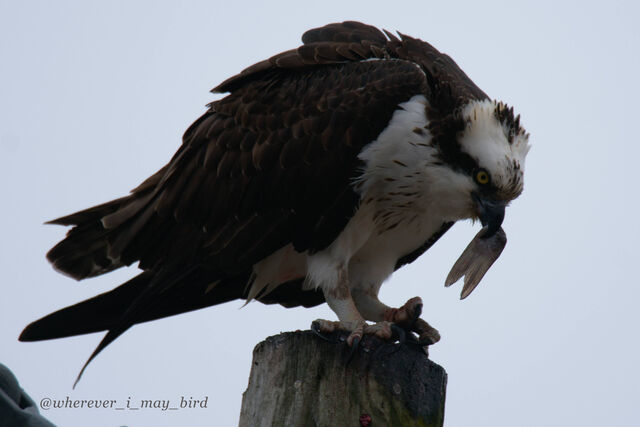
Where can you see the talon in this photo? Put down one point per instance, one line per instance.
(426, 333)
(315, 328)
(429, 338)
(411, 339)
(398, 334)
(407, 315)
(324, 326)
(385, 331)
(354, 349)
(417, 311)
(355, 342)
(356, 334)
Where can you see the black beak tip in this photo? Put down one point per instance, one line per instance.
(491, 214)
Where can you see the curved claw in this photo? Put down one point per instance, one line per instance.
(424, 343)
(315, 328)
(355, 343)
(416, 314)
(354, 349)
(398, 334)
(414, 340)
(411, 339)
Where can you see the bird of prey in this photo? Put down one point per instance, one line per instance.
(324, 169)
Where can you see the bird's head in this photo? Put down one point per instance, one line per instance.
(484, 147)
(498, 146)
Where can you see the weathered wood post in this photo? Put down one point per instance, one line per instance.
(298, 379)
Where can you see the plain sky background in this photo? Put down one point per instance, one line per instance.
(94, 97)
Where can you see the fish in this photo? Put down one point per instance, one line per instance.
(476, 259)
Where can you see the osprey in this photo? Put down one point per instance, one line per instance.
(323, 170)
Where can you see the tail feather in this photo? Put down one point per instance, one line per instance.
(89, 214)
(146, 297)
(106, 310)
(153, 295)
(144, 302)
(92, 248)
(84, 251)
(93, 315)
(88, 250)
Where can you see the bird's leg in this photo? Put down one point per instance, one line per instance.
(340, 300)
(407, 316)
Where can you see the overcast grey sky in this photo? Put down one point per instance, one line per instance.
(94, 97)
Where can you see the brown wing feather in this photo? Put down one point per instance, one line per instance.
(271, 163)
(283, 144)
(268, 165)
(331, 44)
(286, 148)
(354, 41)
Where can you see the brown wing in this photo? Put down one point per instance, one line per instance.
(270, 164)
(449, 86)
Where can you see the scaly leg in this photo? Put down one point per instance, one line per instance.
(341, 302)
(407, 316)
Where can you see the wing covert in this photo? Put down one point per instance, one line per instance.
(273, 163)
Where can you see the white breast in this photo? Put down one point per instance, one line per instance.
(406, 195)
(398, 188)
(402, 203)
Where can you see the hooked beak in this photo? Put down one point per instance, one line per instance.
(490, 212)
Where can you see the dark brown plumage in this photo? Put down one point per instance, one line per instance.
(270, 164)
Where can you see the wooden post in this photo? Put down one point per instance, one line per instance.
(298, 379)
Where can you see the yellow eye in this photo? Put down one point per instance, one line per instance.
(482, 177)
